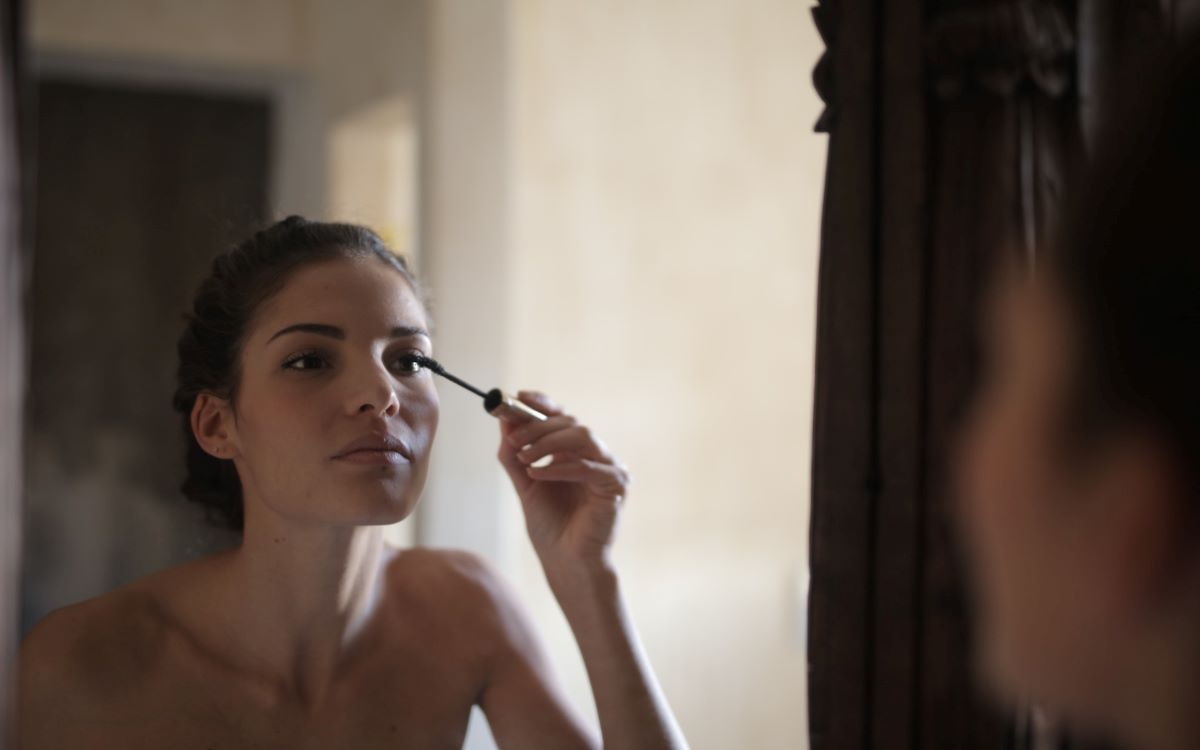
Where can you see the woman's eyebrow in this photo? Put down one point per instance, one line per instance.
(334, 332)
(408, 332)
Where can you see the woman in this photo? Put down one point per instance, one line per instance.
(1081, 473)
(309, 426)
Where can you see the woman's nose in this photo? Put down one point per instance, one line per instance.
(376, 393)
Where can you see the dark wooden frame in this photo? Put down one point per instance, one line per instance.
(952, 126)
(14, 276)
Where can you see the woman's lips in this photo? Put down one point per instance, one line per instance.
(373, 457)
(375, 448)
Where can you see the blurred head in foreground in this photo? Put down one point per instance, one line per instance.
(1080, 478)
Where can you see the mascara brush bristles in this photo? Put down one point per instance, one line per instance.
(436, 366)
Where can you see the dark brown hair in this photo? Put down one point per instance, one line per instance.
(240, 281)
(1128, 263)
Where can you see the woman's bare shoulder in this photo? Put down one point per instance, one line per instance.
(422, 572)
(462, 589)
(99, 644)
(87, 652)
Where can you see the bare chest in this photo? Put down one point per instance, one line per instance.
(410, 698)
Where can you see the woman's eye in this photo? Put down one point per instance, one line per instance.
(409, 364)
(305, 362)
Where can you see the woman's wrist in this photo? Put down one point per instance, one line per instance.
(584, 584)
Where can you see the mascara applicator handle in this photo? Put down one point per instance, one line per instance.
(503, 406)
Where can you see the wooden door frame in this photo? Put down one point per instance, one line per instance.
(14, 348)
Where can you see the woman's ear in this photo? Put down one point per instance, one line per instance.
(213, 426)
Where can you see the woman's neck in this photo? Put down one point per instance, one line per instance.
(298, 596)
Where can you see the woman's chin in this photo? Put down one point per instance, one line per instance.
(377, 503)
(367, 504)
(384, 510)
(380, 510)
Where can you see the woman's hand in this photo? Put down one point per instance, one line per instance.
(571, 506)
(571, 511)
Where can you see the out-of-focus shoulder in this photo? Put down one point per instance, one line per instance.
(453, 583)
(92, 646)
(443, 571)
(467, 595)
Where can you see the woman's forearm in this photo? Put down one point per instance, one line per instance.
(632, 708)
(571, 509)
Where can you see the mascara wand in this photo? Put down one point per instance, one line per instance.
(496, 402)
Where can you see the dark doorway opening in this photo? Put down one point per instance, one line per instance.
(136, 190)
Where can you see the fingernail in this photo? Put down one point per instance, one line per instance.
(523, 456)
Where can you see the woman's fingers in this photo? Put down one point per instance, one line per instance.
(515, 435)
(541, 402)
(578, 455)
(517, 474)
(577, 439)
(507, 453)
(603, 479)
(531, 431)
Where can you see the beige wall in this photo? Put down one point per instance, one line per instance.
(645, 250)
(667, 195)
(267, 33)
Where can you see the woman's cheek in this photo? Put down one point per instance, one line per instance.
(995, 491)
(984, 473)
(424, 411)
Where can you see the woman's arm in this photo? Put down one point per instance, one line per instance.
(571, 511)
(633, 710)
(522, 699)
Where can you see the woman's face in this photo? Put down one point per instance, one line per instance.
(1052, 537)
(323, 367)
